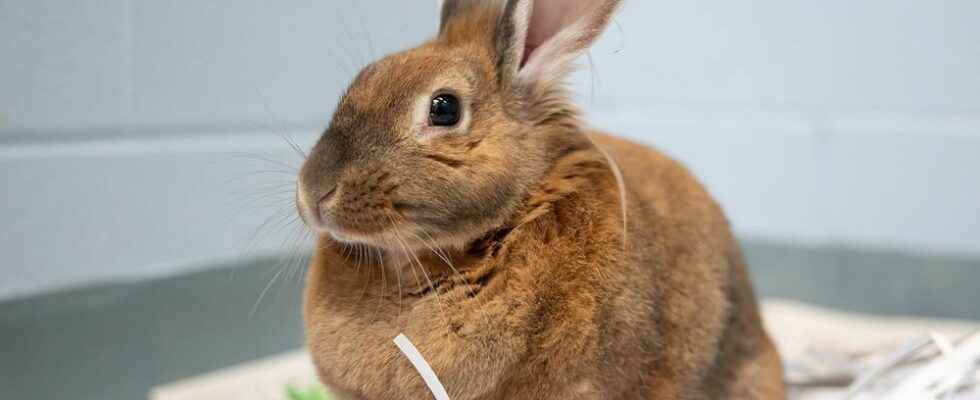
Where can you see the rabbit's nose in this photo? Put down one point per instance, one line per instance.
(311, 201)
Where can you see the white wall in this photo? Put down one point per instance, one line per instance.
(840, 120)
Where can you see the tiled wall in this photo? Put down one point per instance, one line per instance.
(120, 121)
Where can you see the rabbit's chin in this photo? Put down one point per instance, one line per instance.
(403, 239)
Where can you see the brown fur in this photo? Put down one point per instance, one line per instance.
(498, 246)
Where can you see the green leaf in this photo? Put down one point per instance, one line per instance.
(311, 393)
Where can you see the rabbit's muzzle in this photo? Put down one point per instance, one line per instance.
(358, 204)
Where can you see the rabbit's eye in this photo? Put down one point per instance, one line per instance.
(444, 110)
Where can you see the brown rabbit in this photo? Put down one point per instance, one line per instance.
(460, 200)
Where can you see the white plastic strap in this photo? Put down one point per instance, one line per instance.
(428, 375)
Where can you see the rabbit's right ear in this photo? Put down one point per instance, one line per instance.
(502, 24)
(445, 11)
(463, 21)
(543, 38)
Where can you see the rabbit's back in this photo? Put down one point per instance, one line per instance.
(705, 313)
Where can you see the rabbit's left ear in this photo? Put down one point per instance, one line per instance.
(539, 40)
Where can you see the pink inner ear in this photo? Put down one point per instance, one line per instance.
(550, 17)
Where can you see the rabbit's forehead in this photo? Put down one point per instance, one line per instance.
(417, 72)
(393, 86)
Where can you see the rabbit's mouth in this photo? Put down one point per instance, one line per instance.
(405, 237)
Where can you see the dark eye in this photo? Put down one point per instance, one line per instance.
(444, 110)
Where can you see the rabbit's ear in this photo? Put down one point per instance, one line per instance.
(539, 40)
(446, 10)
(468, 19)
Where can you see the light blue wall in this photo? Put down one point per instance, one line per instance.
(127, 68)
(832, 121)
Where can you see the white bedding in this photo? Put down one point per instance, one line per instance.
(824, 351)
